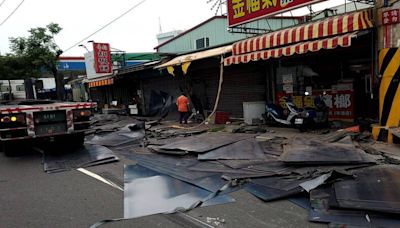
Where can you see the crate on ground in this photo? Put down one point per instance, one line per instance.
(221, 117)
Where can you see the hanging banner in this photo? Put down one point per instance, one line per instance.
(244, 11)
(391, 17)
(102, 57)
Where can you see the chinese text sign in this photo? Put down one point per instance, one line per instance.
(244, 11)
(340, 103)
(102, 58)
(391, 17)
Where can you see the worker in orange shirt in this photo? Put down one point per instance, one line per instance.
(183, 102)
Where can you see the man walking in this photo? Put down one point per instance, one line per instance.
(182, 102)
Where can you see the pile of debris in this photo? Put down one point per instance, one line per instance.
(341, 178)
(106, 131)
(331, 176)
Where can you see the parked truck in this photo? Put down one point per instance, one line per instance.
(30, 121)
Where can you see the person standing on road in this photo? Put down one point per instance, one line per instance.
(183, 102)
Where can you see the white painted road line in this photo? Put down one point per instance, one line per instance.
(100, 178)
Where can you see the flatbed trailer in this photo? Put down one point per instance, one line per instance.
(43, 120)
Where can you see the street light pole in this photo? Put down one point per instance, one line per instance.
(81, 45)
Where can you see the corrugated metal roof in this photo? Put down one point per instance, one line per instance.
(87, 80)
(138, 67)
(142, 56)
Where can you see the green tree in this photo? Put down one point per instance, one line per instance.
(40, 49)
(16, 67)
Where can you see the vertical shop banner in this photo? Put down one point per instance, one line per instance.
(102, 58)
(244, 11)
(340, 103)
(391, 17)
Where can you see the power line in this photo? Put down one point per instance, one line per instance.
(11, 12)
(109, 23)
(2, 3)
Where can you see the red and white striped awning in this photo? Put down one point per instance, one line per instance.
(101, 82)
(325, 29)
(300, 48)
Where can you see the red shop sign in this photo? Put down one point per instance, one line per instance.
(244, 11)
(340, 103)
(102, 58)
(391, 17)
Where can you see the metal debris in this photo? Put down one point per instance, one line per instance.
(148, 192)
(310, 152)
(88, 155)
(206, 142)
(375, 189)
(242, 150)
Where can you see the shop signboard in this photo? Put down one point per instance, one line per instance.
(102, 57)
(391, 17)
(287, 79)
(244, 11)
(340, 103)
(90, 67)
(288, 88)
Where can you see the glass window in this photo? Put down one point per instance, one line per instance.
(4, 88)
(202, 43)
(20, 88)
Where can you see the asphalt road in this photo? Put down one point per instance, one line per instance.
(29, 197)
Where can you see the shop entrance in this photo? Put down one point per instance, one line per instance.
(341, 76)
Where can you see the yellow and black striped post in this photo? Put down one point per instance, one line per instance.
(389, 94)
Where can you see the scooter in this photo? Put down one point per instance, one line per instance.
(315, 117)
(275, 113)
(302, 119)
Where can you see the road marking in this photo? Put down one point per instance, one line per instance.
(100, 178)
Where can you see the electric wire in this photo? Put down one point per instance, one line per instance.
(2, 3)
(103, 27)
(4, 21)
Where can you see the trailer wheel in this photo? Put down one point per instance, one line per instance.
(80, 139)
(77, 140)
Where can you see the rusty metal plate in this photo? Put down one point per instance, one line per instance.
(310, 152)
(375, 189)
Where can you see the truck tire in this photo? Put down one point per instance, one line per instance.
(10, 148)
(77, 140)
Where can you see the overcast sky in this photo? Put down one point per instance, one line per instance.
(134, 32)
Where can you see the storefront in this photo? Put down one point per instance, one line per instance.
(198, 75)
(99, 90)
(332, 58)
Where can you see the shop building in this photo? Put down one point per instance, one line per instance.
(333, 57)
(196, 71)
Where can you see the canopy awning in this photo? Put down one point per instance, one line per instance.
(102, 81)
(300, 48)
(287, 40)
(196, 56)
